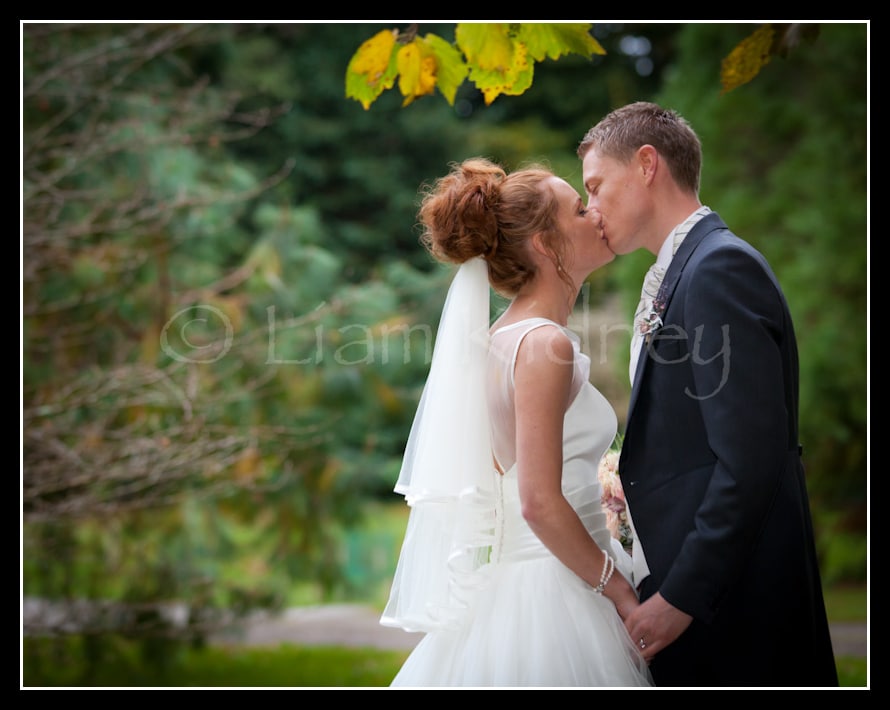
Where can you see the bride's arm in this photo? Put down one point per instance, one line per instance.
(543, 378)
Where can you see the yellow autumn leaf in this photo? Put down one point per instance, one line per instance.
(747, 58)
(372, 68)
(417, 71)
(372, 57)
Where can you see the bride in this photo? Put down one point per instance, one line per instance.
(507, 563)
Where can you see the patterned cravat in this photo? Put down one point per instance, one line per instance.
(651, 284)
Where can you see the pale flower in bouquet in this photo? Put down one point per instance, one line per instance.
(613, 499)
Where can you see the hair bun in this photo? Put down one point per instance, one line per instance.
(459, 213)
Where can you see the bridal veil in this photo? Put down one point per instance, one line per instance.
(447, 475)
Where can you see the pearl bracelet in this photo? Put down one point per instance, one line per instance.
(608, 569)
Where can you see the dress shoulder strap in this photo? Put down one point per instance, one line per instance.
(516, 332)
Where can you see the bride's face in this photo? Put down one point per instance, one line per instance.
(582, 227)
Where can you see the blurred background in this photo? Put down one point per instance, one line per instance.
(227, 317)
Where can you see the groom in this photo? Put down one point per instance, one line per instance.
(710, 463)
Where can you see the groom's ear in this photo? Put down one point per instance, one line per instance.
(647, 162)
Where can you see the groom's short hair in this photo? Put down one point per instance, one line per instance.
(621, 132)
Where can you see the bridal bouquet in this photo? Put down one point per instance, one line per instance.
(613, 499)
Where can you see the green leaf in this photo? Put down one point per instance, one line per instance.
(452, 70)
(499, 64)
(553, 40)
(487, 46)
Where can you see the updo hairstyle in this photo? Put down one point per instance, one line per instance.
(477, 209)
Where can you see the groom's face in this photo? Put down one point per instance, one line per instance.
(618, 191)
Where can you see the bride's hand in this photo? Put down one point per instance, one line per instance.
(623, 596)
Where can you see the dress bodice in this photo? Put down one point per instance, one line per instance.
(589, 427)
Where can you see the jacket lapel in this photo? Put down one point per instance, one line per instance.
(703, 227)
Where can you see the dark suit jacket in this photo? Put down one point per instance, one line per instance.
(712, 472)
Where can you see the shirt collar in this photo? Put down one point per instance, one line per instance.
(666, 253)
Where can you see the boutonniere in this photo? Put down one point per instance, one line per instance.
(651, 319)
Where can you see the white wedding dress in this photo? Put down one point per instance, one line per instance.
(532, 621)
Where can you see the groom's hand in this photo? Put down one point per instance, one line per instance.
(655, 624)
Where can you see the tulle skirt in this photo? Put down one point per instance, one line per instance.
(533, 624)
